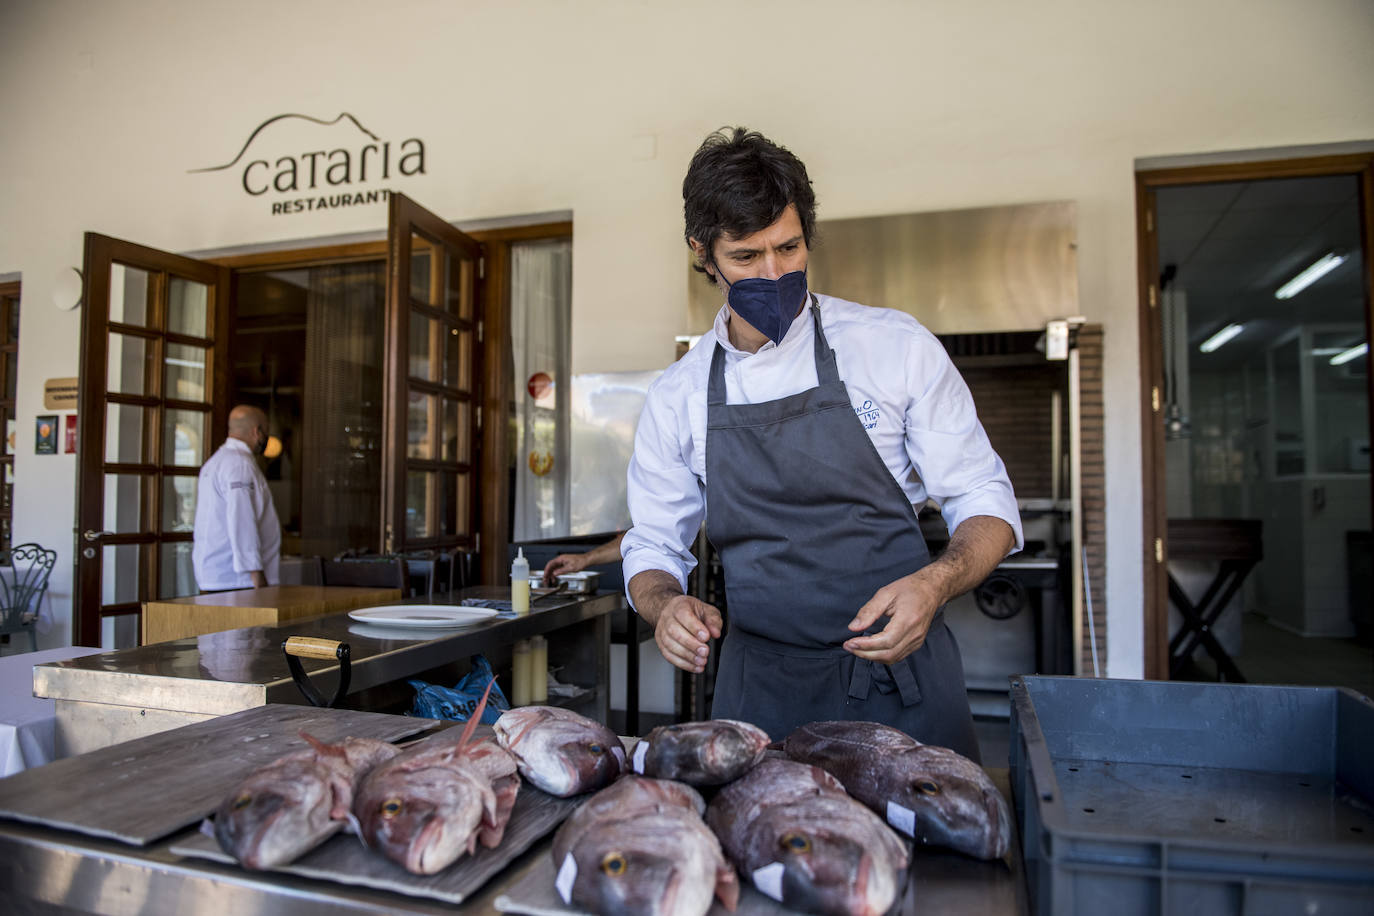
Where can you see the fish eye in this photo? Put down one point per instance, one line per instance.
(796, 842)
(595, 748)
(614, 864)
(391, 807)
(928, 788)
(243, 801)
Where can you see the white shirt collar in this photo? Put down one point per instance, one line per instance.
(795, 331)
(239, 445)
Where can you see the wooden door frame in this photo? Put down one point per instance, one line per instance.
(497, 357)
(92, 391)
(1155, 543)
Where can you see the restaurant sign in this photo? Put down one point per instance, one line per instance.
(335, 175)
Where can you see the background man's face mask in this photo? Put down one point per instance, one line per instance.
(768, 305)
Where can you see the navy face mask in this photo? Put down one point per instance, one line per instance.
(768, 305)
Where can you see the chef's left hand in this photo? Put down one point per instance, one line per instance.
(911, 602)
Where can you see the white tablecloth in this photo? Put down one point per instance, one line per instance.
(27, 722)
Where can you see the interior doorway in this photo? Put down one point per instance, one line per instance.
(1256, 316)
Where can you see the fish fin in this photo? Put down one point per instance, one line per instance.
(207, 827)
(333, 750)
(727, 887)
(355, 827)
(476, 716)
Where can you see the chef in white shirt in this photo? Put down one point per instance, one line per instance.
(237, 535)
(807, 430)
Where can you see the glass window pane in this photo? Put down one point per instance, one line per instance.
(421, 269)
(175, 576)
(421, 423)
(457, 431)
(1340, 369)
(178, 503)
(129, 295)
(453, 505)
(127, 364)
(458, 358)
(186, 369)
(126, 501)
(185, 438)
(458, 287)
(188, 307)
(119, 573)
(1286, 394)
(423, 362)
(127, 430)
(418, 487)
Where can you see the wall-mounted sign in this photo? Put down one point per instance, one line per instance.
(45, 435)
(60, 394)
(343, 172)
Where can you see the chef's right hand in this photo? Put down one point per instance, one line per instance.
(684, 632)
(563, 564)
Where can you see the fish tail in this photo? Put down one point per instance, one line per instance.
(476, 715)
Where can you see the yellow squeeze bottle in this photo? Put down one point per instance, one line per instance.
(520, 584)
(520, 674)
(539, 670)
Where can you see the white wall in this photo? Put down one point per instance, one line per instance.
(596, 107)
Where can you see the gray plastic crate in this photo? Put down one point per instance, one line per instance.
(1149, 797)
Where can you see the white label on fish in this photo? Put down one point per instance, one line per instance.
(567, 874)
(641, 751)
(904, 819)
(768, 880)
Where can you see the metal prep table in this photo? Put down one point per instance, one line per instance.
(46, 870)
(111, 697)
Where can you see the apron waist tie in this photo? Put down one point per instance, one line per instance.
(866, 674)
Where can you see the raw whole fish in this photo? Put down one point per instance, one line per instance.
(293, 804)
(793, 831)
(560, 751)
(700, 753)
(932, 794)
(439, 799)
(640, 848)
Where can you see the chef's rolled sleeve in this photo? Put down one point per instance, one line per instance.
(948, 446)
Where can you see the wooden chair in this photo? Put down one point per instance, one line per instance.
(21, 588)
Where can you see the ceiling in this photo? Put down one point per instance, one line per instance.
(1233, 244)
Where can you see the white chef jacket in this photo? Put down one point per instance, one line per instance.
(236, 528)
(911, 400)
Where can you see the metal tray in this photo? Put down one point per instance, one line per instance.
(142, 790)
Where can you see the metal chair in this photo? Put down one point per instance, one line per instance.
(374, 572)
(21, 590)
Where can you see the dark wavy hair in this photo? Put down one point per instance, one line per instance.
(740, 182)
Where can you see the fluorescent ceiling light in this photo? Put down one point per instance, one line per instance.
(1318, 269)
(1340, 359)
(1219, 339)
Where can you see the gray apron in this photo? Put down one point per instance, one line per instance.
(809, 523)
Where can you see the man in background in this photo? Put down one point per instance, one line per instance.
(237, 535)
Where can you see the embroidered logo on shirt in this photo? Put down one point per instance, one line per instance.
(868, 414)
(241, 485)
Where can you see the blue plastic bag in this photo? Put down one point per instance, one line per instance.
(456, 703)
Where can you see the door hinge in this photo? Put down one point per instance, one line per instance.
(1154, 300)
(1159, 550)
(1154, 398)
(481, 268)
(479, 416)
(477, 542)
(481, 330)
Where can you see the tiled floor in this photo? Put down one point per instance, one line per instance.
(1271, 655)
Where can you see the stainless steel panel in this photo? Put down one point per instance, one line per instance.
(85, 727)
(957, 271)
(149, 788)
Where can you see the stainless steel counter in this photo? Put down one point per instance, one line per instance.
(45, 871)
(114, 696)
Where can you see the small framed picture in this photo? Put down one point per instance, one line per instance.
(69, 434)
(45, 435)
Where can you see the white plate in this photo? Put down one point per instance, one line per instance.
(421, 615)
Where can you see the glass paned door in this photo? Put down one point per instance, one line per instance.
(152, 396)
(432, 402)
